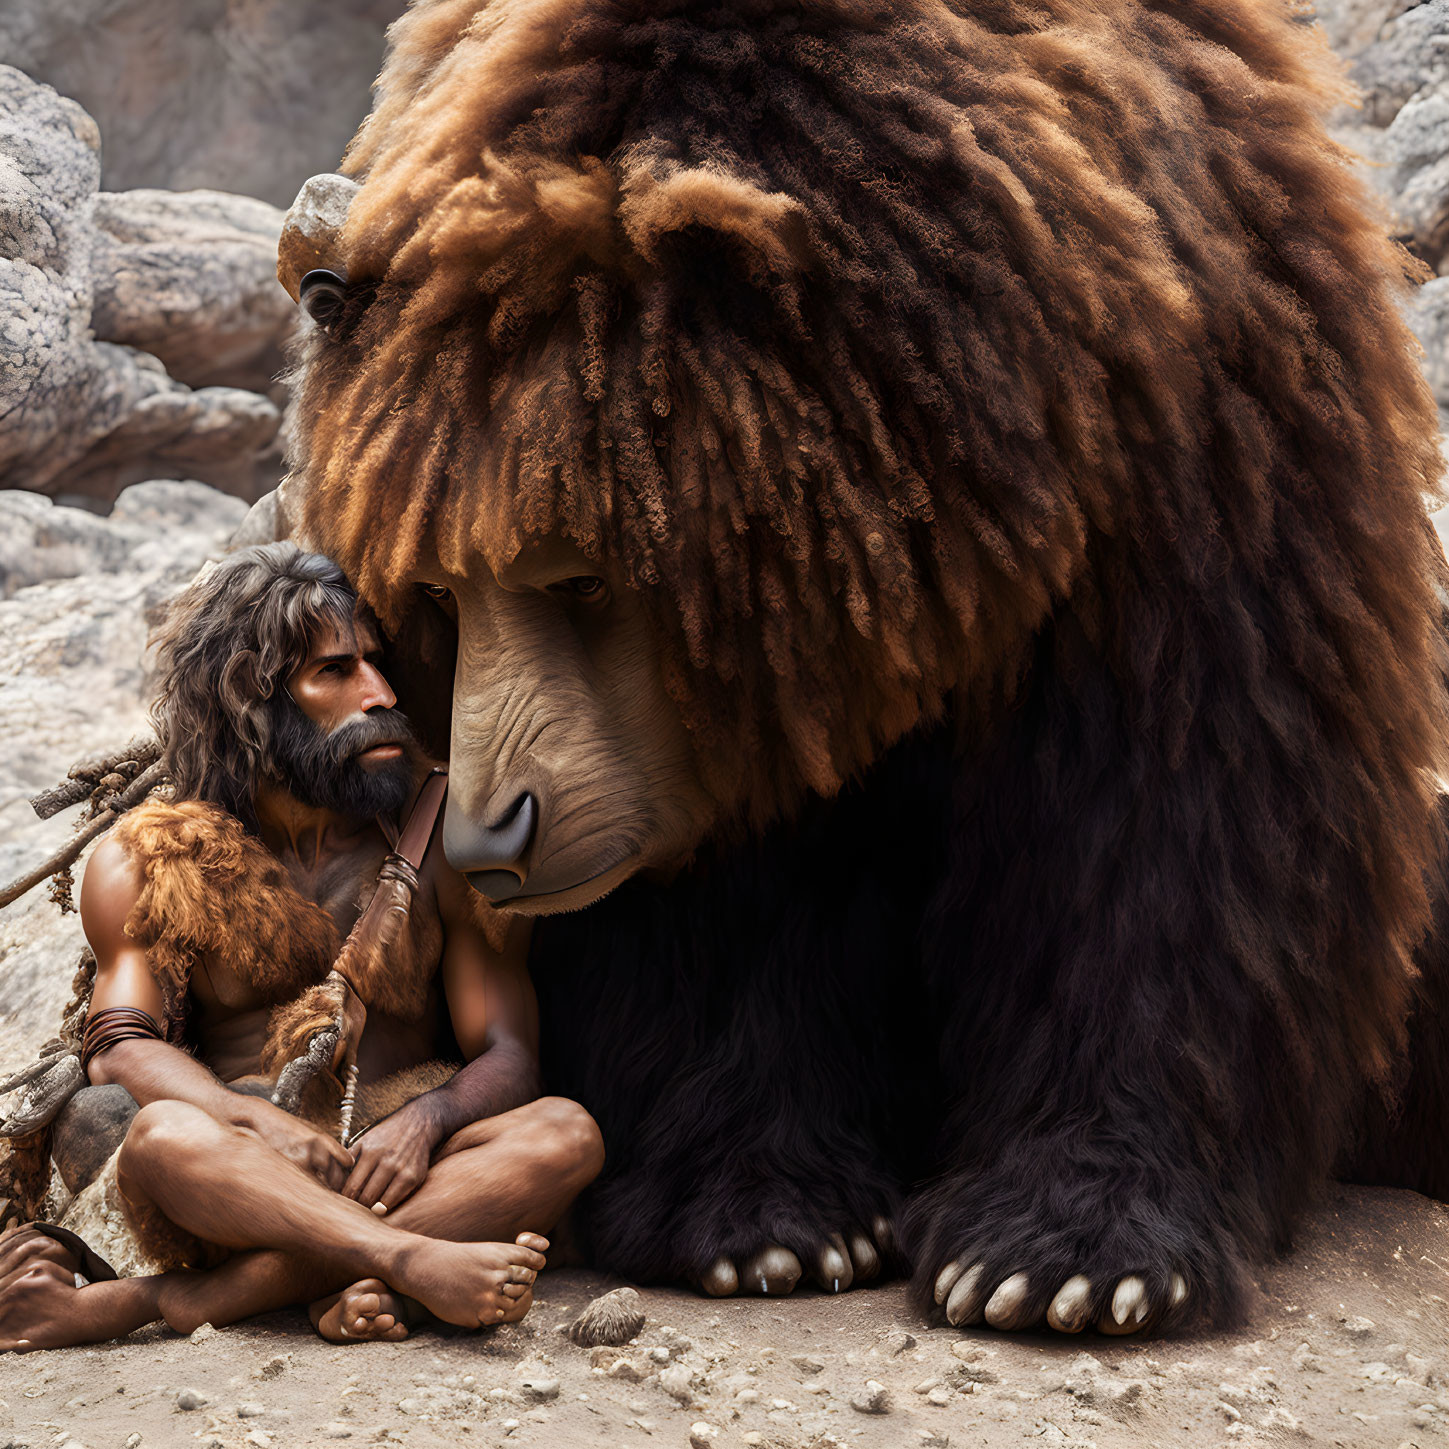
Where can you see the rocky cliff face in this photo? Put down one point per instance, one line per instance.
(138, 330)
(252, 96)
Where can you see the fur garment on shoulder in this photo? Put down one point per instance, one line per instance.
(210, 888)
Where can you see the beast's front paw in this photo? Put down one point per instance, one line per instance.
(846, 1258)
(1116, 1305)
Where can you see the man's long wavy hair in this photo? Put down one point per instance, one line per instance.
(229, 642)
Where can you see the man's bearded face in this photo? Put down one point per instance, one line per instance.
(338, 743)
(323, 768)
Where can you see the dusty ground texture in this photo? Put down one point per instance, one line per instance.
(1347, 1343)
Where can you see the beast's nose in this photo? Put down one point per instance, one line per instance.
(493, 857)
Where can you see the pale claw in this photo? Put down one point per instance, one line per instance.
(1069, 1309)
(721, 1279)
(1008, 1306)
(885, 1234)
(964, 1305)
(774, 1269)
(946, 1280)
(832, 1270)
(1178, 1291)
(1129, 1310)
(863, 1256)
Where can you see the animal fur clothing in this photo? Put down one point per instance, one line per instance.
(211, 888)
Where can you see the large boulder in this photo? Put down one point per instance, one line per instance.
(77, 596)
(191, 278)
(88, 280)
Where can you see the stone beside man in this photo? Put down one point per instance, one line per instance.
(293, 775)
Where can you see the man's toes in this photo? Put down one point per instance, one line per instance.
(721, 1279)
(536, 1241)
(515, 1309)
(966, 1299)
(1010, 1307)
(1129, 1309)
(514, 1290)
(517, 1273)
(1071, 1308)
(364, 1306)
(863, 1256)
(831, 1267)
(773, 1271)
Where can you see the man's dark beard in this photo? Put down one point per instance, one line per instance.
(322, 769)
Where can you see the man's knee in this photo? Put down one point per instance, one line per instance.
(570, 1138)
(165, 1133)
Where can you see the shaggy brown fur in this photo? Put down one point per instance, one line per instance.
(210, 888)
(993, 277)
(1032, 365)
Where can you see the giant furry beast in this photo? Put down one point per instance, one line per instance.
(921, 507)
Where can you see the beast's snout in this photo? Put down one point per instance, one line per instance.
(493, 858)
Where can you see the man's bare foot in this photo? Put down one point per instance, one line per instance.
(41, 1307)
(367, 1312)
(472, 1285)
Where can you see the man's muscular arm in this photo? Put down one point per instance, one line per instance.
(152, 1070)
(495, 1018)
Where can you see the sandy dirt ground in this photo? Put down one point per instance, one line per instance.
(1347, 1343)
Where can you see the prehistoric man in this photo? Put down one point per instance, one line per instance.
(290, 767)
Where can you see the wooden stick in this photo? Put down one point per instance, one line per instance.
(114, 808)
(85, 775)
(34, 1070)
(56, 1088)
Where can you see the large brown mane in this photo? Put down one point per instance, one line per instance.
(931, 310)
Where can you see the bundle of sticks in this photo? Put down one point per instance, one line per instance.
(110, 785)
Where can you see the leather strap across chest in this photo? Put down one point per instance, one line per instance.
(417, 833)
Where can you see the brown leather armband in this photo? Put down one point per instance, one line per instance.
(116, 1023)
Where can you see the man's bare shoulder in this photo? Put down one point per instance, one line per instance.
(110, 888)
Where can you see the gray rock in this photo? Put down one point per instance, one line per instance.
(678, 1382)
(1428, 315)
(612, 1319)
(1416, 147)
(1353, 25)
(79, 414)
(189, 1400)
(872, 1398)
(1409, 51)
(252, 98)
(540, 1389)
(191, 277)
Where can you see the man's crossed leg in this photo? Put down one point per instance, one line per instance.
(462, 1246)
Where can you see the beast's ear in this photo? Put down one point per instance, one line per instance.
(312, 230)
(663, 200)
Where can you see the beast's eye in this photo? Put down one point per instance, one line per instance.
(442, 597)
(586, 589)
